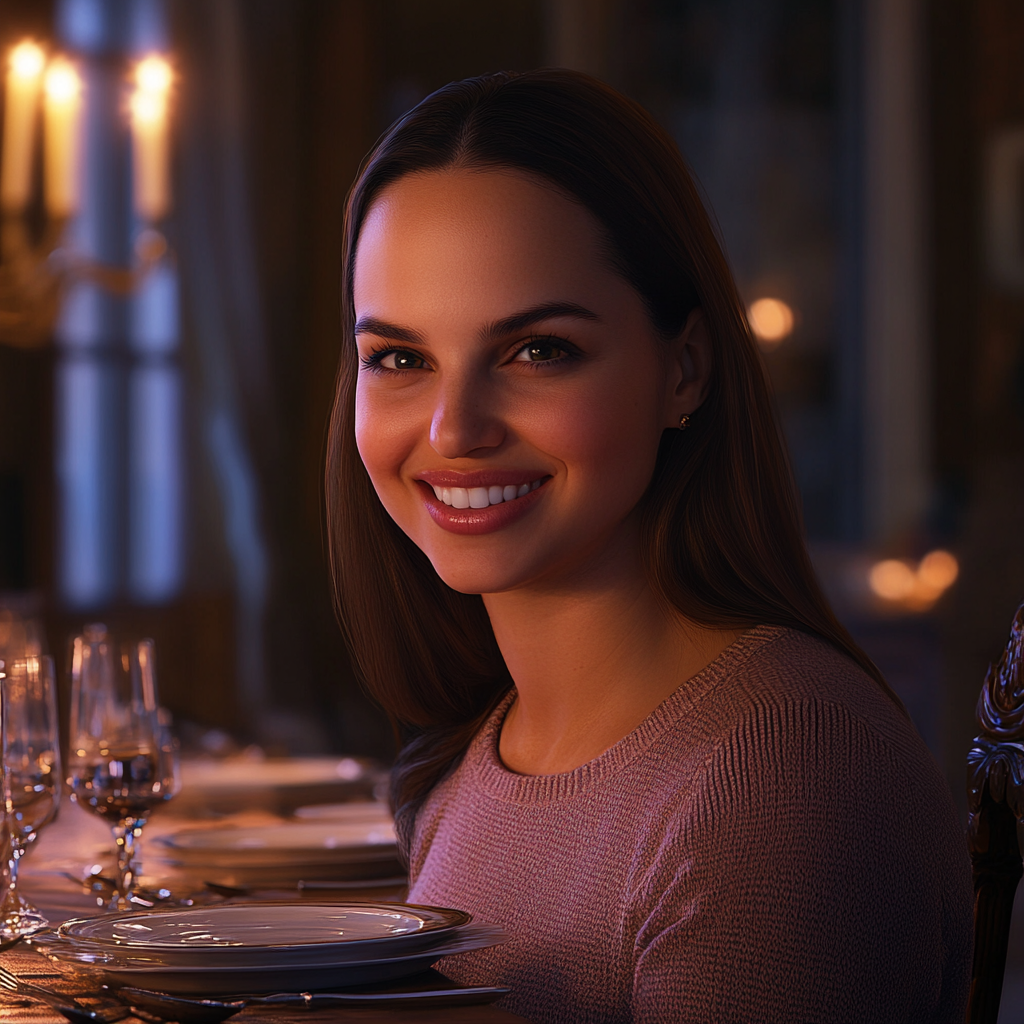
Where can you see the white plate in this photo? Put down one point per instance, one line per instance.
(273, 934)
(291, 977)
(354, 811)
(279, 785)
(294, 843)
(291, 771)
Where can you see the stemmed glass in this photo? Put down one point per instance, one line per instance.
(32, 766)
(121, 763)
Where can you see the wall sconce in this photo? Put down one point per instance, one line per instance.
(36, 266)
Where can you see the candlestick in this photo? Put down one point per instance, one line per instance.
(63, 122)
(150, 155)
(24, 72)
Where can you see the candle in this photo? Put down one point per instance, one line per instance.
(150, 156)
(24, 72)
(63, 124)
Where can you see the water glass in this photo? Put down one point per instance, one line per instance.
(31, 759)
(121, 762)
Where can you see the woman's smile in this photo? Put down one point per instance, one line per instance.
(476, 503)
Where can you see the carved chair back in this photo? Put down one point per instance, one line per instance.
(995, 796)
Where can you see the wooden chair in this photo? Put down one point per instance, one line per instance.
(995, 794)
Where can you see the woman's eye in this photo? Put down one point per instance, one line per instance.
(397, 359)
(541, 351)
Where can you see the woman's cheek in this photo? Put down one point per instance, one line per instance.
(602, 436)
(382, 439)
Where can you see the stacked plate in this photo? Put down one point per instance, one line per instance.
(265, 947)
(277, 784)
(276, 855)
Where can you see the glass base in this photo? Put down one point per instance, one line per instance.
(20, 918)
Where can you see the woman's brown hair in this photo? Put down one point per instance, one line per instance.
(722, 533)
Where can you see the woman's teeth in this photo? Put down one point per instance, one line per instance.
(481, 497)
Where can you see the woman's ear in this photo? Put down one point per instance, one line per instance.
(689, 368)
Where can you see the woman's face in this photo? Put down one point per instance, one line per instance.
(512, 390)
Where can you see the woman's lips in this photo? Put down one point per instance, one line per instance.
(474, 510)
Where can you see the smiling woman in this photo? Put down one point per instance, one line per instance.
(633, 732)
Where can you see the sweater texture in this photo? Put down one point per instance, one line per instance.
(773, 843)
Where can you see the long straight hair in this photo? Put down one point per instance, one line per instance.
(722, 537)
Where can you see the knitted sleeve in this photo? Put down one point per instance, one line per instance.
(798, 882)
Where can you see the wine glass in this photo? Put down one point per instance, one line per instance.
(121, 762)
(32, 765)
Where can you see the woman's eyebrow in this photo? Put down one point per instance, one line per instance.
(497, 329)
(381, 328)
(535, 315)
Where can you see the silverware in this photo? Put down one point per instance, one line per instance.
(476, 995)
(212, 1011)
(230, 891)
(184, 1011)
(67, 1007)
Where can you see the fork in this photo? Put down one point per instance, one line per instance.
(66, 1006)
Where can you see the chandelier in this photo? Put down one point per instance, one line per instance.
(44, 107)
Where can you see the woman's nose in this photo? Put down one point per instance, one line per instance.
(465, 419)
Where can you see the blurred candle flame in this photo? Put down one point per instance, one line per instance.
(63, 114)
(149, 116)
(24, 74)
(914, 586)
(27, 60)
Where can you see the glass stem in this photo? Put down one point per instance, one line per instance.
(12, 870)
(126, 835)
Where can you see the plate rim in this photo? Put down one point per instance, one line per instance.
(450, 918)
(168, 843)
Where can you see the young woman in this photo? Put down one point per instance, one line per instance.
(569, 561)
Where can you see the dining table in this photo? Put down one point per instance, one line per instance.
(75, 843)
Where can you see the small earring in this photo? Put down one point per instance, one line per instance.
(684, 421)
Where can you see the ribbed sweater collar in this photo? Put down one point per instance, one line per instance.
(483, 760)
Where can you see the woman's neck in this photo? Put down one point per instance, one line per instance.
(591, 659)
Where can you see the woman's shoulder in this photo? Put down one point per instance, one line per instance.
(791, 737)
(782, 704)
(775, 670)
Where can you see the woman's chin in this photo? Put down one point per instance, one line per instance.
(481, 576)
(476, 581)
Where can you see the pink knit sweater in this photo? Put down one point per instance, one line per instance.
(774, 843)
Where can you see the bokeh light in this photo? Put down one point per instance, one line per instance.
(153, 75)
(914, 587)
(28, 60)
(62, 82)
(147, 107)
(771, 320)
(938, 569)
(892, 580)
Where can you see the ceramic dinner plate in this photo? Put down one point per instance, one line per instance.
(230, 980)
(296, 843)
(277, 784)
(353, 811)
(272, 934)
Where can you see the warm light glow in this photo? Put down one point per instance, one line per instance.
(62, 110)
(914, 587)
(938, 569)
(21, 105)
(153, 75)
(892, 580)
(62, 82)
(150, 138)
(27, 60)
(771, 320)
(148, 108)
